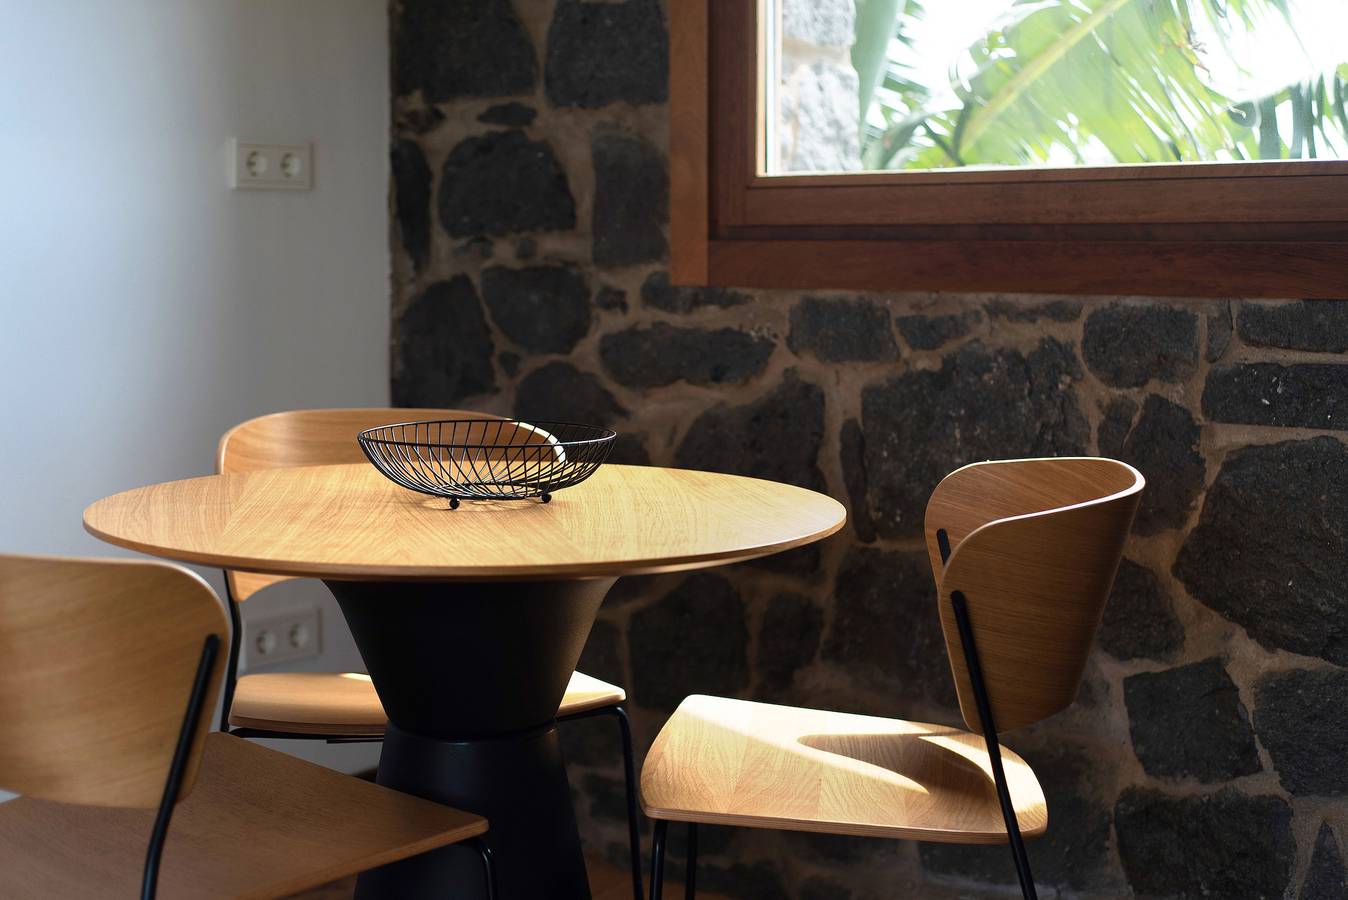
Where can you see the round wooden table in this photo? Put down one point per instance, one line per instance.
(470, 621)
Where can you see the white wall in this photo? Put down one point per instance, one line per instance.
(144, 307)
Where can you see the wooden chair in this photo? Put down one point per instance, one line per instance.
(108, 673)
(344, 706)
(1024, 554)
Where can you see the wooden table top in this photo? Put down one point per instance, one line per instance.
(349, 523)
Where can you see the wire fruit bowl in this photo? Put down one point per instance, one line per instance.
(486, 459)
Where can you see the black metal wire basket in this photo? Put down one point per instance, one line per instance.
(487, 459)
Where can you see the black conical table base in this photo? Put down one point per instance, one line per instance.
(471, 675)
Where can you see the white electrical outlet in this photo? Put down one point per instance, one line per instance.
(270, 167)
(282, 637)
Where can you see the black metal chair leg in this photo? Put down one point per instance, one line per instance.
(488, 866)
(630, 783)
(690, 873)
(1018, 854)
(658, 858)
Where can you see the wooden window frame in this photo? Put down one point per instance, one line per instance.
(1266, 229)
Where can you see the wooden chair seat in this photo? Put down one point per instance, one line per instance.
(733, 762)
(345, 703)
(259, 824)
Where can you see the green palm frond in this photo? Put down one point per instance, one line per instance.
(1078, 81)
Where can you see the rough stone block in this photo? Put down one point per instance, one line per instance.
(1270, 551)
(501, 183)
(1188, 722)
(444, 347)
(841, 329)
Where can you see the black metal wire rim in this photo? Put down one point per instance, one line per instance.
(489, 461)
(605, 434)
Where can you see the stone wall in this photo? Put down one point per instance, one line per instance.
(1206, 754)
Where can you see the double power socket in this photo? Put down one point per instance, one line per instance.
(270, 167)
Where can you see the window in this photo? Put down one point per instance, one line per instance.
(1181, 147)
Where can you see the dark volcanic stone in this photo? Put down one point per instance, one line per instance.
(1227, 845)
(608, 796)
(656, 291)
(841, 329)
(788, 639)
(1074, 854)
(412, 199)
(1325, 879)
(1053, 310)
(611, 298)
(1302, 720)
(743, 881)
(461, 48)
(629, 450)
(502, 182)
(514, 115)
(852, 449)
(1163, 445)
(662, 354)
(822, 889)
(931, 332)
(1188, 722)
(1115, 425)
(1139, 620)
(560, 392)
(886, 630)
(1126, 346)
(601, 53)
(981, 404)
(526, 248)
(1219, 331)
(1300, 396)
(802, 562)
(1320, 326)
(691, 641)
(1270, 551)
(544, 309)
(631, 201)
(444, 347)
(776, 437)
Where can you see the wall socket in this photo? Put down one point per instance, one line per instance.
(282, 637)
(270, 167)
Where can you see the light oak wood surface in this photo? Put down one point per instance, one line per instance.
(308, 437)
(1035, 545)
(735, 762)
(97, 666)
(260, 824)
(346, 704)
(350, 523)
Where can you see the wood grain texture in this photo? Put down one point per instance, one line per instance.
(1166, 268)
(689, 169)
(307, 437)
(734, 762)
(346, 703)
(1035, 545)
(98, 664)
(259, 825)
(350, 523)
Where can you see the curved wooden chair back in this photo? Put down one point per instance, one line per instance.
(97, 663)
(1033, 546)
(306, 437)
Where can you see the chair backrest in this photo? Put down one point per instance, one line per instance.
(1033, 546)
(97, 663)
(307, 437)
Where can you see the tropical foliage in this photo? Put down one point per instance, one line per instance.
(1070, 82)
